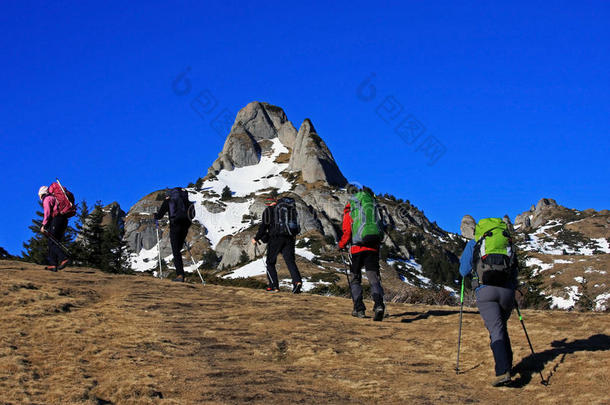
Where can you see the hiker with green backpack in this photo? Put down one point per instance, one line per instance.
(491, 260)
(363, 229)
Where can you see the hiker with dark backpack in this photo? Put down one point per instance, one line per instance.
(179, 208)
(491, 260)
(279, 228)
(363, 228)
(58, 205)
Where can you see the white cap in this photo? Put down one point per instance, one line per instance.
(42, 191)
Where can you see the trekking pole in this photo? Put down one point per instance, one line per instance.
(528, 339)
(188, 249)
(63, 190)
(457, 363)
(349, 284)
(159, 249)
(57, 243)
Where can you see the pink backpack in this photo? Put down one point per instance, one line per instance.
(65, 199)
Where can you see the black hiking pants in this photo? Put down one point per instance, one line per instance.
(285, 246)
(370, 261)
(495, 306)
(57, 229)
(177, 236)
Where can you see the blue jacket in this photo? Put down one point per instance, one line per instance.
(466, 258)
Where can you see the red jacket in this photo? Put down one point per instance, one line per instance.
(347, 233)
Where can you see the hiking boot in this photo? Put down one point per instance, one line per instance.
(378, 314)
(179, 279)
(63, 264)
(272, 290)
(50, 268)
(296, 289)
(358, 314)
(501, 380)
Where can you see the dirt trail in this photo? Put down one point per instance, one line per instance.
(82, 336)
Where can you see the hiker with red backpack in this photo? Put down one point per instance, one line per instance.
(58, 205)
(364, 229)
(279, 228)
(491, 259)
(180, 211)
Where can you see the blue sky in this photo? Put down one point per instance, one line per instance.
(515, 96)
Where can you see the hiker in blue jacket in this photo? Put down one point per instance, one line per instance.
(495, 303)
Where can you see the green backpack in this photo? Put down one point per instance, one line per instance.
(494, 255)
(367, 225)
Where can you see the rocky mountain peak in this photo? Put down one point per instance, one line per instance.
(257, 125)
(245, 144)
(313, 159)
(538, 214)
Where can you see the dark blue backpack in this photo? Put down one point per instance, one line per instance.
(285, 217)
(178, 205)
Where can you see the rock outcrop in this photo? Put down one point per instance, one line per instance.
(537, 215)
(313, 159)
(254, 123)
(467, 227)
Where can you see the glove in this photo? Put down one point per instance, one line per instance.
(156, 222)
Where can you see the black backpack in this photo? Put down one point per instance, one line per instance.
(286, 222)
(178, 205)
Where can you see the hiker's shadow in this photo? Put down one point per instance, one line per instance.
(534, 364)
(427, 314)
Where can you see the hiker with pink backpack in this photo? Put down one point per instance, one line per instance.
(58, 205)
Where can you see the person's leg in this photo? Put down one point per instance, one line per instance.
(371, 264)
(52, 253)
(175, 238)
(57, 229)
(181, 233)
(273, 249)
(507, 303)
(355, 276)
(289, 258)
(491, 312)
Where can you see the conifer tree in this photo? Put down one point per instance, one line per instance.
(4, 254)
(79, 250)
(91, 235)
(226, 193)
(115, 250)
(531, 285)
(36, 247)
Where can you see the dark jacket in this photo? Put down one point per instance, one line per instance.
(266, 227)
(164, 209)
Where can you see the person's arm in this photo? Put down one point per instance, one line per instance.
(346, 228)
(466, 258)
(47, 205)
(163, 209)
(263, 229)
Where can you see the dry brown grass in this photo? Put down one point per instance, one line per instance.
(81, 336)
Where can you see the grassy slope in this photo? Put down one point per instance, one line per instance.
(81, 336)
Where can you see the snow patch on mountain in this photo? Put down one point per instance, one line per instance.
(246, 180)
(532, 261)
(146, 260)
(566, 303)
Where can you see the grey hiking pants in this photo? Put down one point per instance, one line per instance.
(495, 306)
(370, 261)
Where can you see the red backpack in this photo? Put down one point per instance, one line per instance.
(65, 199)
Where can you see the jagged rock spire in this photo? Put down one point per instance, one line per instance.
(313, 158)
